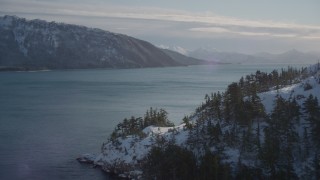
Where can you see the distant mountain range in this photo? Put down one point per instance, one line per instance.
(293, 56)
(37, 44)
(213, 55)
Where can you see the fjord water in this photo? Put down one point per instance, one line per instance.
(48, 118)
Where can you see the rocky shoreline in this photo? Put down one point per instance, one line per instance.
(120, 171)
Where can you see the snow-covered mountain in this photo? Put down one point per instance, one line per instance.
(183, 59)
(244, 146)
(178, 49)
(292, 56)
(37, 44)
(220, 56)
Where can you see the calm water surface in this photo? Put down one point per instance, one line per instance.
(48, 118)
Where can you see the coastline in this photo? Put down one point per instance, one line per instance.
(116, 172)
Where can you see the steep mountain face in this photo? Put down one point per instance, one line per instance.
(38, 44)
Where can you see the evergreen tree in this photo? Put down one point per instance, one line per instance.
(234, 103)
(312, 111)
(211, 167)
(170, 162)
(306, 144)
(270, 153)
(186, 120)
(280, 138)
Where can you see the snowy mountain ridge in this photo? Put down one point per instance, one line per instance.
(291, 56)
(37, 44)
(125, 155)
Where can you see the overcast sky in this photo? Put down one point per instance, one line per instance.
(247, 26)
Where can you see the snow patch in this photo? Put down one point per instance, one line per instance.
(296, 90)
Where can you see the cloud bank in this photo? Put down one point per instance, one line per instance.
(165, 22)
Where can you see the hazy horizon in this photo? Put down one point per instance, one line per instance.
(247, 27)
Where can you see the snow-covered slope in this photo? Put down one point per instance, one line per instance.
(37, 44)
(296, 90)
(125, 155)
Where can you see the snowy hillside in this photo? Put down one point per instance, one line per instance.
(296, 90)
(275, 138)
(37, 44)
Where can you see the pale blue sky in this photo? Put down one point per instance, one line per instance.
(247, 26)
